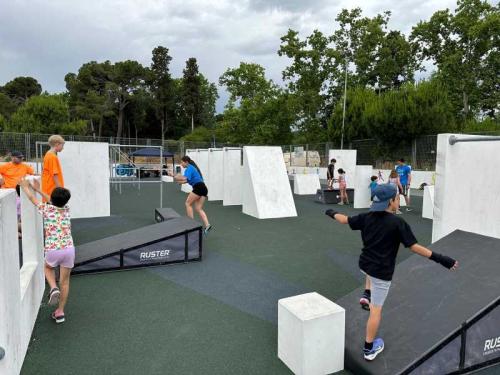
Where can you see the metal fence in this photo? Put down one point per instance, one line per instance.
(419, 153)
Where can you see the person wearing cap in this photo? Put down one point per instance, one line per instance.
(12, 172)
(382, 232)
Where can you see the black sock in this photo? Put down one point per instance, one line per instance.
(368, 292)
(368, 345)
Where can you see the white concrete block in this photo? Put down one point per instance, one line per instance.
(467, 194)
(20, 290)
(233, 175)
(311, 334)
(306, 184)
(215, 174)
(362, 191)
(85, 168)
(428, 202)
(201, 160)
(266, 188)
(346, 159)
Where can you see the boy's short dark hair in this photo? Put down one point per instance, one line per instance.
(60, 196)
(333, 161)
(402, 160)
(373, 178)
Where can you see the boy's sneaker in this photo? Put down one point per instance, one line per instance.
(341, 203)
(207, 229)
(378, 347)
(365, 300)
(58, 319)
(54, 295)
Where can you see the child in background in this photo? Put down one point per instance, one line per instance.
(330, 174)
(343, 187)
(394, 180)
(373, 185)
(52, 175)
(59, 248)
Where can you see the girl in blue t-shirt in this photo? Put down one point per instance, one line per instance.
(192, 176)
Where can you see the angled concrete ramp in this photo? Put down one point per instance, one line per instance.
(426, 308)
(175, 240)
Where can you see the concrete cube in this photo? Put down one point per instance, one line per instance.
(311, 334)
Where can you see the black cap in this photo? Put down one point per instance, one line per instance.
(17, 154)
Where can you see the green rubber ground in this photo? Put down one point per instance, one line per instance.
(136, 322)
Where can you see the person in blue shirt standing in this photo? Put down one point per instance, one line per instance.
(192, 176)
(404, 172)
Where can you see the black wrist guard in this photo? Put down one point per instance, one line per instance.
(443, 260)
(331, 213)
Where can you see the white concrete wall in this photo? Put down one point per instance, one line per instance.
(216, 174)
(306, 184)
(85, 168)
(266, 191)
(362, 191)
(20, 290)
(467, 190)
(346, 159)
(428, 202)
(321, 172)
(233, 175)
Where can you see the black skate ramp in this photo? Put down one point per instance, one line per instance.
(434, 321)
(173, 241)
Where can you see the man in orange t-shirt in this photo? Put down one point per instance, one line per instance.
(52, 175)
(11, 173)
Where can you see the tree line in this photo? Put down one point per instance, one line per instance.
(362, 62)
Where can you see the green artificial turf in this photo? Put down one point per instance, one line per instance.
(136, 322)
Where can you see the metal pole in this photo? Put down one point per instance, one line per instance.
(453, 139)
(343, 112)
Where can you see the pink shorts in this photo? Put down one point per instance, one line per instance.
(62, 257)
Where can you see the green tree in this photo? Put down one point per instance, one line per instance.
(246, 82)
(307, 77)
(7, 106)
(88, 95)
(191, 95)
(160, 84)
(46, 114)
(21, 89)
(464, 45)
(208, 99)
(127, 78)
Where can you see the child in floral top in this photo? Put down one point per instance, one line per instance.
(59, 248)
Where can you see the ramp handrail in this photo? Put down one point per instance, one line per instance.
(462, 332)
(454, 139)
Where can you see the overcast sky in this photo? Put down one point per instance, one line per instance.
(47, 39)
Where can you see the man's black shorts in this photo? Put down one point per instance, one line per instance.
(200, 189)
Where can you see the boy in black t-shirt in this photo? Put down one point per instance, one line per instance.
(382, 232)
(330, 174)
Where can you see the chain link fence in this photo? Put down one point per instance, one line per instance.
(419, 153)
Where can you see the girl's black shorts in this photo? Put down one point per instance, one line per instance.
(200, 189)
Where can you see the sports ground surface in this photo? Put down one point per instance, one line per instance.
(218, 316)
